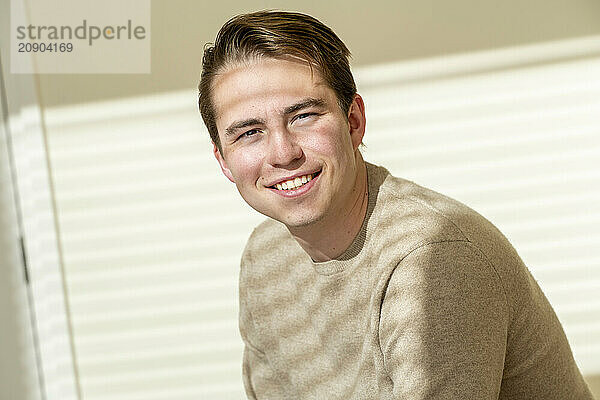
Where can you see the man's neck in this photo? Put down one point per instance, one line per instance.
(330, 237)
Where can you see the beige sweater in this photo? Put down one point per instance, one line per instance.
(429, 302)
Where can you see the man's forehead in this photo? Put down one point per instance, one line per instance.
(287, 59)
(267, 69)
(264, 81)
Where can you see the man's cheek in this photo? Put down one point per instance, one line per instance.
(246, 166)
(324, 143)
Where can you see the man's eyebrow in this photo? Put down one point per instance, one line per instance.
(242, 124)
(306, 103)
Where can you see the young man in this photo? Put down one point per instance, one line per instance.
(361, 285)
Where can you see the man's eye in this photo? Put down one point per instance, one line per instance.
(304, 116)
(249, 133)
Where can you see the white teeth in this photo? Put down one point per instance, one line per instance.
(294, 183)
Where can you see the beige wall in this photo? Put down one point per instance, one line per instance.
(375, 31)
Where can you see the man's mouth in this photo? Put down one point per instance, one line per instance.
(295, 183)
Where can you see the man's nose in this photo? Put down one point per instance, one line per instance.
(283, 148)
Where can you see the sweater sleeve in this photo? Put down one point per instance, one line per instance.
(260, 380)
(444, 322)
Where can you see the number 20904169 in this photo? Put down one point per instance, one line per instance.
(45, 47)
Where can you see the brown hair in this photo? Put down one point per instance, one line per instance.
(275, 34)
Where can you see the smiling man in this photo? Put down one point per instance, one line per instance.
(361, 285)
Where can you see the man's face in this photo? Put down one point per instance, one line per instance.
(286, 144)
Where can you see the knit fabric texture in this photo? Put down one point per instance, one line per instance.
(430, 301)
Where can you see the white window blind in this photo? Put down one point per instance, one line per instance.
(19, 377)
(152, 232)
(38, 324)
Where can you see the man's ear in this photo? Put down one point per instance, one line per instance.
(222, 163)
(357, 120)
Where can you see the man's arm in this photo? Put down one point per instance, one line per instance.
(444, 323)
(259, 377)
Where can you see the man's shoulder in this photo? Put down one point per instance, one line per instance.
(425, 215)
(428, 217)
(403, 190)
(265, 235)
(425, 210)
(269, 240)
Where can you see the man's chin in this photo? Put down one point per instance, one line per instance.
(301, 216)
(297, 222)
